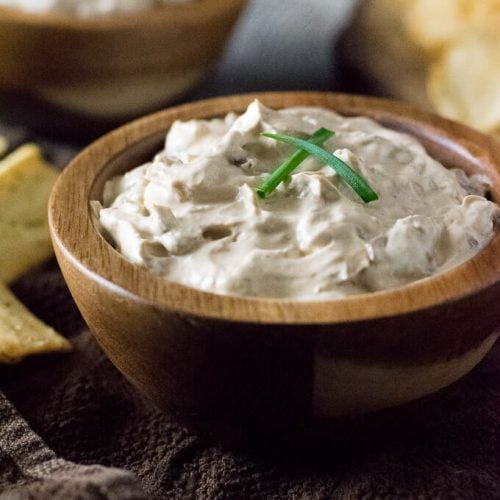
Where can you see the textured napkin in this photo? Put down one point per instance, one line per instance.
(76, 429)
(72, 427)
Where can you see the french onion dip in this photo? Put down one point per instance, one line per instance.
(192, 214)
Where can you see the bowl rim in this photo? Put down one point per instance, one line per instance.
(87, 249)
(192, 12)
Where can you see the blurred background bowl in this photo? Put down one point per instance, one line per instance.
(113, 67)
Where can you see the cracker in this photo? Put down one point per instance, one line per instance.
(21, 333)
(25, 184)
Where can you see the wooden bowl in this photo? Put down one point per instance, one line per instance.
(252, 364)
(114, 66)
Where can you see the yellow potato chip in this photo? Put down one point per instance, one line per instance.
(22, 334)
(465, 83)
(25, 184)
(433, 24)
(486, 16)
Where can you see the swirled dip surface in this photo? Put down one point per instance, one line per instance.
(192, 215)
(86, 7)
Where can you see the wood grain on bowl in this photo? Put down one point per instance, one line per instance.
(117, 65)
(224, 361)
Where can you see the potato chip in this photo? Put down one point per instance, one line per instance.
(465, 83)
(25, 184)
(22, 334)
(446, 51)
(433, 24)
(486, 16)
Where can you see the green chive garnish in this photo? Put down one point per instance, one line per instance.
(356, 181)
(289, 165)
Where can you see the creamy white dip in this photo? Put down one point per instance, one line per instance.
(192, 214)
(86, 8)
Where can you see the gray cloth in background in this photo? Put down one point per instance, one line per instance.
(282, 45)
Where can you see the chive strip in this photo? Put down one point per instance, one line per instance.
(358, 183)
(289, 165)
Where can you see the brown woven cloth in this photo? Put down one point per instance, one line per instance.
(87, 414)
(71, 428)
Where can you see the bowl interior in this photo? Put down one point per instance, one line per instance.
(452, 144)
